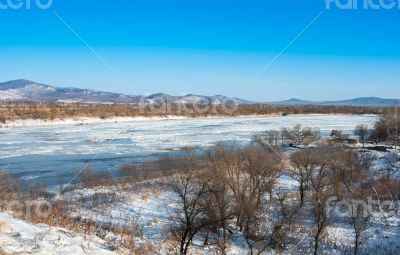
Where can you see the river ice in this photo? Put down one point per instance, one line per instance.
(49, 153)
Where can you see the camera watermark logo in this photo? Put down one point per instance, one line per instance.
(25, 4)
(362, 4)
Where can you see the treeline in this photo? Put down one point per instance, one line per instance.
(10, 111)
(385, 131)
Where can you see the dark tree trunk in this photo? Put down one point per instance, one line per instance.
(301, 189)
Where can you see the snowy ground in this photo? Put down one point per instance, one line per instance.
(20, 237)
(151, 207)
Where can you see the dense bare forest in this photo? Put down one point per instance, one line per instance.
(10, 111)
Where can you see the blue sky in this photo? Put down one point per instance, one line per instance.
(206, 47)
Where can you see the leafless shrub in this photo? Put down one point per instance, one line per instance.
(10, 186)
(98, 199)
(3, 119)
(146, 249)
(164, 167)
(92, 179)
(39, 191)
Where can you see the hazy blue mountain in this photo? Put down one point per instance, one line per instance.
(294, 101)
(361, 101)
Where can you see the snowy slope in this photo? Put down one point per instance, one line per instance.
(20, 237)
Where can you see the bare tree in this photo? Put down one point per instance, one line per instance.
(270, 140)
(391, 161)
(305, 162)
(249, 174)
(257, 229)
(320, 218)
(288, 208)
(379, 133)
(253, 174)
(190, 219)
(338, 135)
(360, 220)
(392, 120)
(219, 207)
(349, 169)
(320, 183)
(362, 131)
(299, 135)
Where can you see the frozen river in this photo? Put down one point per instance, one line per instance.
(43, 154)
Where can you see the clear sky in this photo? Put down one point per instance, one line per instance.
(205, 47)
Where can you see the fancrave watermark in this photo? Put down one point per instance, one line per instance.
(161, 105)
(41, 208)
(362, 4)
(360, 208)
(25, 4)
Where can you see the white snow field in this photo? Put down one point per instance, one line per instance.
(40, 152)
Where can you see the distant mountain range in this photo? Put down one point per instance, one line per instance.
(24, 90)
(361, 101)
(31, 91)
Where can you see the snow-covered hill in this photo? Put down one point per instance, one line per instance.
(32, 91)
